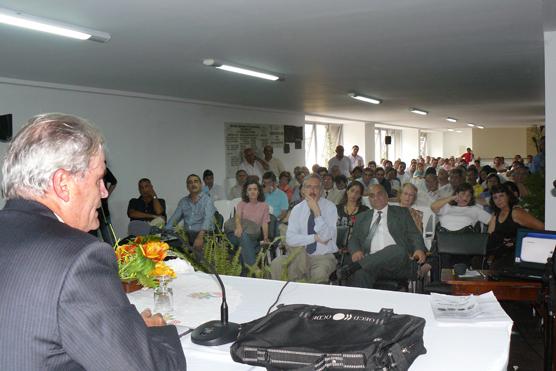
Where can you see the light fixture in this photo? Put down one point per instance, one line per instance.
(480, 126)
(471, 125)
(364, 98)
(241, 70)
(23, 20)
(451, 130)
(418, 111)
(459, 131)
(451, 119)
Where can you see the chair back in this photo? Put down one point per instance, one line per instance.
(462, 243)
(429, 223)
(225, 208)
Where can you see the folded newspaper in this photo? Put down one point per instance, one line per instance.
(482, 310)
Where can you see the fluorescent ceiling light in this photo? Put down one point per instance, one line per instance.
(365, 99)
(451, 130)
(480, 126)
(451, 119)
(23, 20)
(241, 70)
(471, 125)
(419, 111)
(459, 131)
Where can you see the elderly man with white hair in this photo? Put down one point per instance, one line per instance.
(63, 307)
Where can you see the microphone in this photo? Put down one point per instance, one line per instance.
(215, 332)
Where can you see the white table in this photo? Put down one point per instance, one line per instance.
(448, 348)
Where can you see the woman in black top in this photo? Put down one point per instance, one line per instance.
(503, 227)
(350, 206)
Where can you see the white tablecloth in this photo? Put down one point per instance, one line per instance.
(448, 348)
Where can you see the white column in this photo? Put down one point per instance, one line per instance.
(550, 129)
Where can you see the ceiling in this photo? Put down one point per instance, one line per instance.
(481, 61)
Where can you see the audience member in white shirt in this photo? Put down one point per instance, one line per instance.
(428, 192)
(355, 159)
(235, 191)
(251, 164)
(342, 161)
(312, 231)
(216, 191)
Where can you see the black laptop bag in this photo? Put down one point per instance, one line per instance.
(310, 337)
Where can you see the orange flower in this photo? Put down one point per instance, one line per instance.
(125, 250)
(161, 269)
(155, 250)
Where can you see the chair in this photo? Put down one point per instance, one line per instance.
(224, 207)
(461, 244)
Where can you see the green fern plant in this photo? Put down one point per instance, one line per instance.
(534, 202)
(261, 268)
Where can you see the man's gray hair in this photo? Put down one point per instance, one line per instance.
(48, 142)
(312, 176)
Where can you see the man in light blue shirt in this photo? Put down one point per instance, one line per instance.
(196, 210)
(274, 197)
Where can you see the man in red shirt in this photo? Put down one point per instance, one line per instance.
(468, 156)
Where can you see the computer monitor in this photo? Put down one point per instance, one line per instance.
(533, 248)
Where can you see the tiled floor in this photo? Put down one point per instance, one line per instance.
(527, 346)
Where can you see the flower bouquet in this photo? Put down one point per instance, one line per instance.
(143, 260)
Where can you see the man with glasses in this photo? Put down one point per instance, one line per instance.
(311, 237)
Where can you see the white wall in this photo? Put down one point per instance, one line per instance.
(436, 144)
(410, 144)
(550, 114)
(164, 140)
(455, 144)
(369, 142)
(354, 134)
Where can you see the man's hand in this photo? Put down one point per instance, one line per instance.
(198, 243)
(356, 256)
(313, 205)
(420, 256)
(152, 320)
(320, 240)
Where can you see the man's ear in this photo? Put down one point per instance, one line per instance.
(61, 184)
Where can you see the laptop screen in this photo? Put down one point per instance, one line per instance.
(533, 248)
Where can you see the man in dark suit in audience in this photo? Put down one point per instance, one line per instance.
(384, 241)
(62, 305)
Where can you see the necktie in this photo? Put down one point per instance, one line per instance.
(374, 228)
(326, 195)
(312, 247)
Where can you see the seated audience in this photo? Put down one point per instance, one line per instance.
(251, 217)
(372, 165)
(442, 177)
(350, 206)
(356, 173)
(214, 190)
(427, 195)
(419, 171)
(471, 177)
(367, 179)
(311, 236)
(299, 176)
(252, 164)
(274, 197)
(284, 184)
(381, 179)
(402, 175)
(315, 168)
(322, 171)
(519, 175)
(235, 191)
(335, 171)
(499, 164)
(395, 184)
(329, 191)
(457, 177)
(408, 196)
(503, 226)
(484, 199)
(197, 212)
(147, 206)
(383, 242)
(340, 182)
(271, 163)
(459, 211)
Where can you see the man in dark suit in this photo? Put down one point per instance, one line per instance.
(62, 305)
(384, 241)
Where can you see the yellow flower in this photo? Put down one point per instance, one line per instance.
(161, 269)
(155, 250)
(125, 250)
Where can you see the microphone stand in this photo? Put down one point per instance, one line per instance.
(215, 332)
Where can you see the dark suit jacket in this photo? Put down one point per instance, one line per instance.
(61, 302)
(400, 225)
